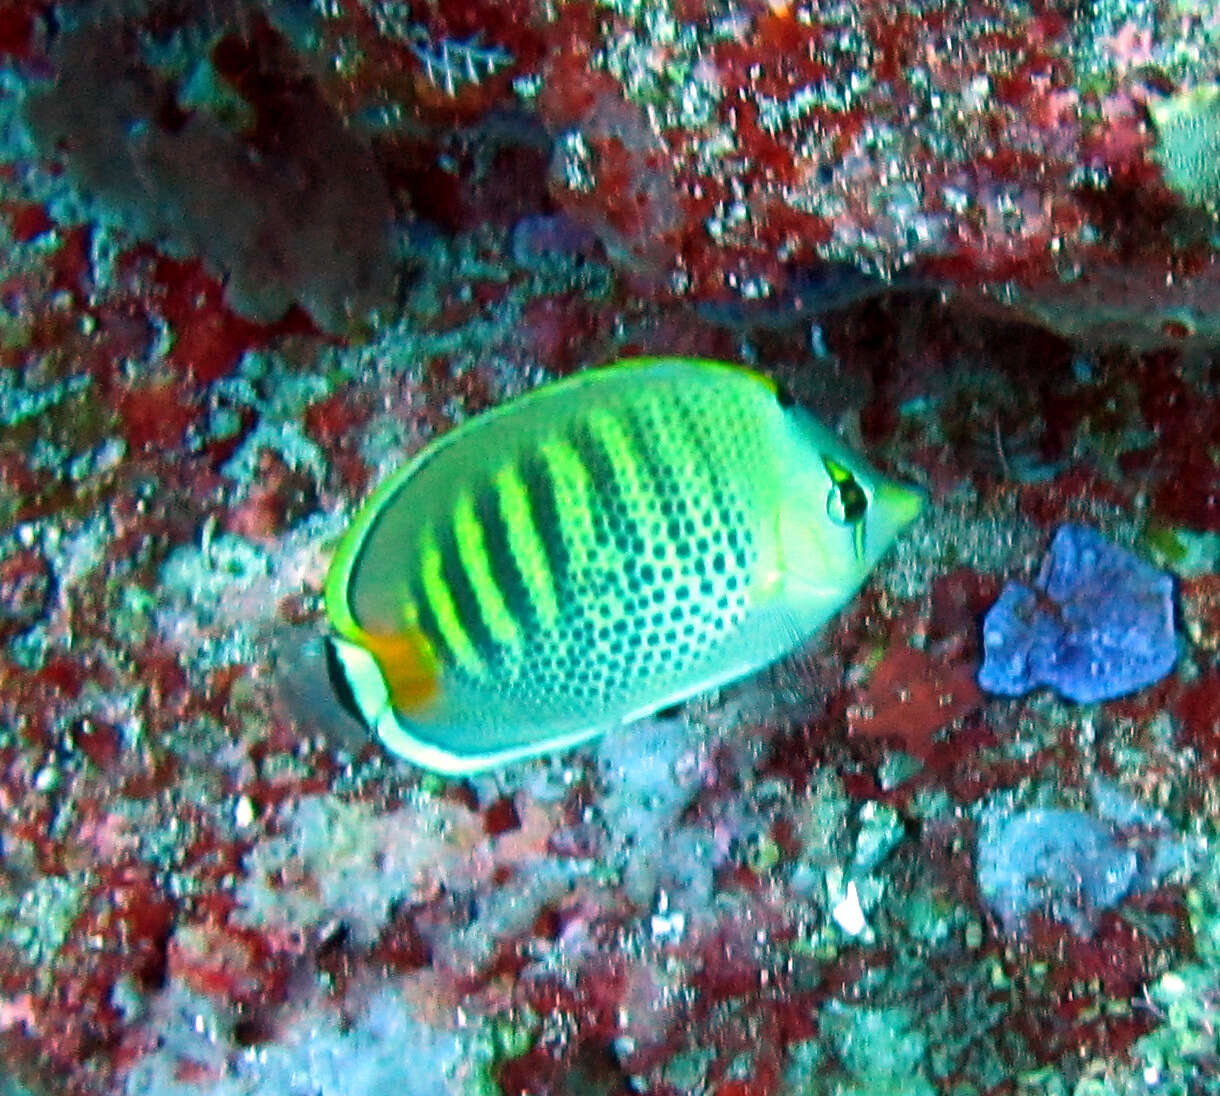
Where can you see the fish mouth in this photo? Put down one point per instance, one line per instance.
(903, 502)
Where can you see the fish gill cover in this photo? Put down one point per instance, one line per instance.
(257, 255)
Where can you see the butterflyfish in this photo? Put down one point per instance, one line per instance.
(601, 548)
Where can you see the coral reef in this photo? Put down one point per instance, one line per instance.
(957, 231)
(735, 151)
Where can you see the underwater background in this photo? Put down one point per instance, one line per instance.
(255, 254)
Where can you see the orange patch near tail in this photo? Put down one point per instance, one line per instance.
(409, 667)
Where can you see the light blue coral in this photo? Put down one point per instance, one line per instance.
(1065, 863)
(1070, 864)
(384, 1047)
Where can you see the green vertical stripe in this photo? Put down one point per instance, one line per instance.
(421, 615)
(556, 487)
(655, 452)
(514, 551)
(472, 550)
(462, 591)
(623, 497)
(602, 487)
(625, 465)
(433, 574)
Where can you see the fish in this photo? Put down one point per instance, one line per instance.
(593, 552)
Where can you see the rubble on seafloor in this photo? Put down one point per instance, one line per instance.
(294, 242)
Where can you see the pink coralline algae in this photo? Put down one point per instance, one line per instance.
(713, 149)
(721, 149)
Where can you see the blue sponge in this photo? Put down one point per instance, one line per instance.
(1098, 625)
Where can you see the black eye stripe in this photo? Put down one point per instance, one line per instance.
(851, 497)
(853, 500)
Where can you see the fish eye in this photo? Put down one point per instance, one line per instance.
(846, 503)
